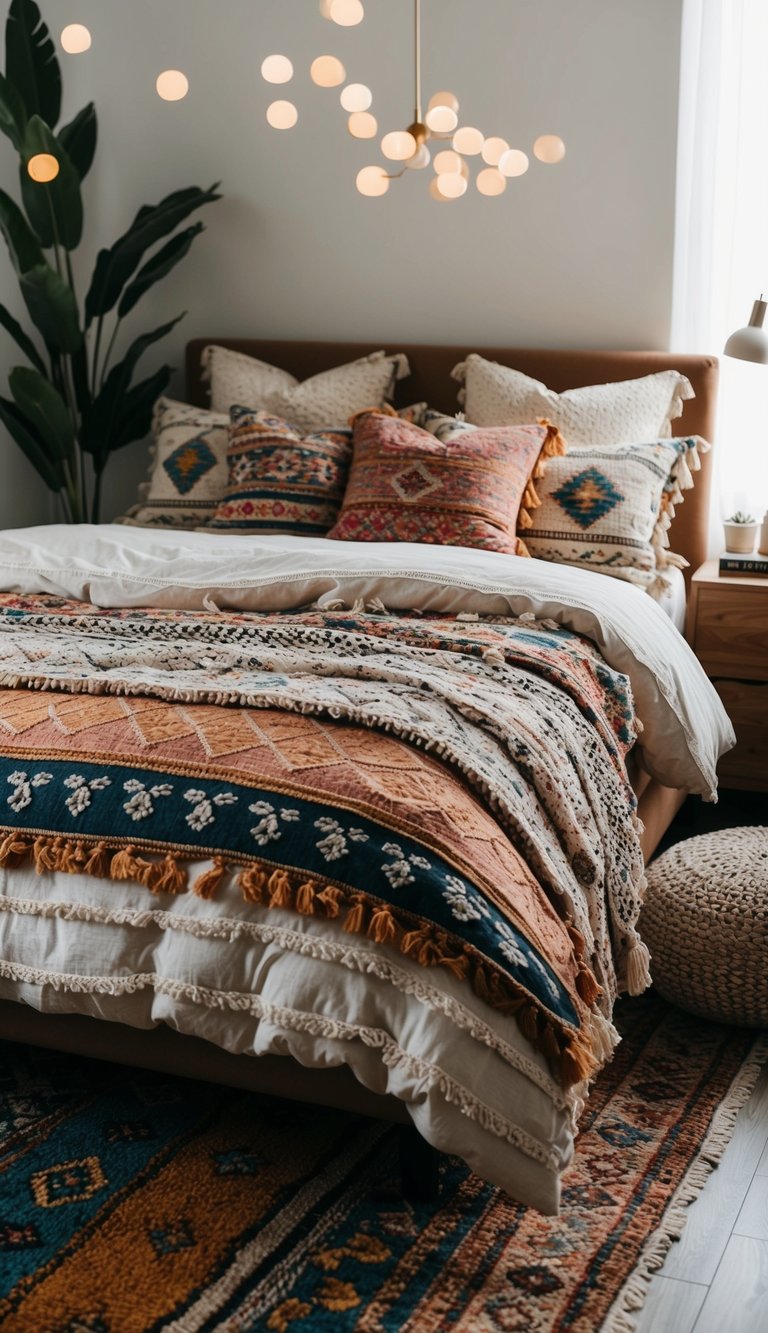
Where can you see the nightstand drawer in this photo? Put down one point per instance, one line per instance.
(731, 631)
(746, 703)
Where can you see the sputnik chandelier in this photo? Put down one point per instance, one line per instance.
(411, 148)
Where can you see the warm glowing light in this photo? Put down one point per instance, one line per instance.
(446, 162)
(276, 69)
(75, 39)
(451, 184)
(372, 181)
(468, 141)
(398, 145)
(444, 99)
(282, 115)
(325, 8)
(493, 150)
(421, 158)
(513, 163)
(172, 85)
(442, 119)
(356, 97)
(549, 148)
(347, 13)
(362, 125)
(434, 190)
(327, 72)
(490, 181)
(43, 167)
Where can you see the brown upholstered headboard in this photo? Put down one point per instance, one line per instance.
(430, 380)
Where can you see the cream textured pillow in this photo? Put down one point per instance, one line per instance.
(619, 413)
(328, 399)
(188, 468)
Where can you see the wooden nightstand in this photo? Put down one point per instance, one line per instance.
(727, 627)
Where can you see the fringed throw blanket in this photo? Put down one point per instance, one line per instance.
(132, 742)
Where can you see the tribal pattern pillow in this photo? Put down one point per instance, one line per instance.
(331, 397)
(606, 509)
(407, 486)
(188, 468)
(600, 414)
(281, 480)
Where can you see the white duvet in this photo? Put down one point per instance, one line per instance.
(470, 1080)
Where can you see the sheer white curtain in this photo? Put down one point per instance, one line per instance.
(721, 242)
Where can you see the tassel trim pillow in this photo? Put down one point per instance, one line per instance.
(281, 480)
(607, 509)
(187, 471)
(407, 486)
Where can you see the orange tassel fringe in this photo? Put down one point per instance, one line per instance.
(567, 1050)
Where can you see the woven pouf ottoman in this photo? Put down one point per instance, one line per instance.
(705, 921)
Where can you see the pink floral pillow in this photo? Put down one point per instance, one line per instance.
(407, 486)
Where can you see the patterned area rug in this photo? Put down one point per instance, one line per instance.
(130, 1202)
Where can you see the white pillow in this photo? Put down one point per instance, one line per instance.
(328, 399)
(187, 467)
(619, 413)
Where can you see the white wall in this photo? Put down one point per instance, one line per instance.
(574, 255)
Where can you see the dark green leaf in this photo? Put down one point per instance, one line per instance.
(115, 266)
(159, 266)
(43, 406)
(78, 139)
(56, 209)
(13, 117)
(80, 379)
(106, 413)
(52, 306)
(28, 440)
(30, 61)
(23, 245)
(138, 406)
(21, 339)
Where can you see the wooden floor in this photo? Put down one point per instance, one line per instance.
(715, 1279)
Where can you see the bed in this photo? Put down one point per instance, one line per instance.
(412, 997)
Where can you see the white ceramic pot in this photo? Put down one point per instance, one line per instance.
(740, 538)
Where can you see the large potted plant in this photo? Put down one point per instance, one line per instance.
(70, 405)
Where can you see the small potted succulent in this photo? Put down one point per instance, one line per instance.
(740, 532)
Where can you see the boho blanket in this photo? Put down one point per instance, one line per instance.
(295, 750)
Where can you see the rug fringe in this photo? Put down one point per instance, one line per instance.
(623, 1315)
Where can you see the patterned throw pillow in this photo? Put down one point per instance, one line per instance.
(188, 468)
(281, 480)
(606, 509)
(334, 396)
(618, 413)
(407, 486)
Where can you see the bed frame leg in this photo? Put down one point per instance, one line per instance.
(419, 1166)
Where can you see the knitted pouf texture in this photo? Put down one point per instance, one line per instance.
(705, 921)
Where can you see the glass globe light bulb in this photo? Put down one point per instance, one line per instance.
(398, 145)
(356, 97)
(421, 158)
(490, 181)
(372, 181)
(444, 99)
(347, 13)
(468, 141)
(42, 168)
(434, 190)
(327, 72)
(451, 184)
(362, 125)
(446, 162)
(325, 9)
(282, 115)
(549, 148)
(513, 163)
(75, 39)
(441, 119)
(493, 149)
(276, 69)
(172, 85)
